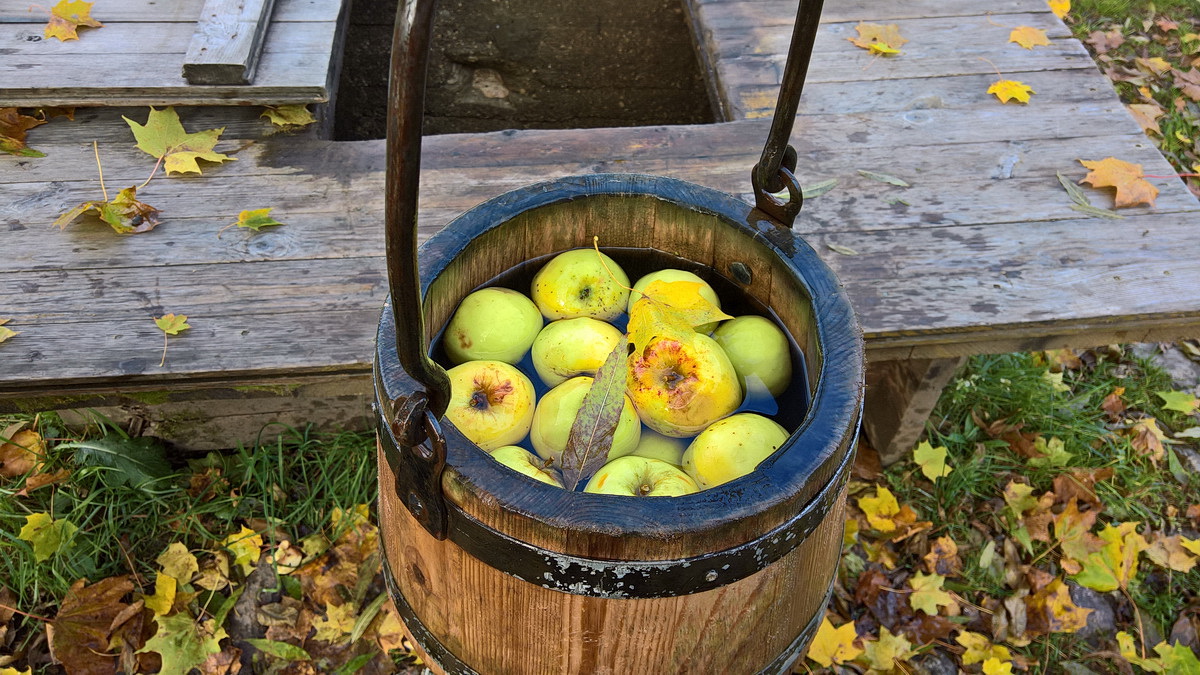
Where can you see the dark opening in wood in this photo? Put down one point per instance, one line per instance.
(531, 64)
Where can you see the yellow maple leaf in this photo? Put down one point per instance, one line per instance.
(290, 116)
(1126, 177)
(165, 587)
(1051, 610)
(1028, 37)
(337, 622)
(834, 645)
(13, 671)
(880, 509)
(1115, 565)
(672, 310)
(5, 332)
(932, 461)
(927, 593)
(47, 535)
(883, 654)
(980, 648)
(163, 137)
(246, 547)
(1059, 7)
(177, 561)
(878, 38)
(67, 16)
(1192, 545)
(1011, 90)
(995, 666)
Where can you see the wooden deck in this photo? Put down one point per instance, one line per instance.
(981, 253)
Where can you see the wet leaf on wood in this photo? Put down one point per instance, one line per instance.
(592, 432)
(883, 178)
(817, 189)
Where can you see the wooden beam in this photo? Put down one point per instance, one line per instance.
(900, 396)
(228, 41)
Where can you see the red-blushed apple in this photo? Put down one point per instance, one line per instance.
(523, 461)
(656, 446)
(556, 413)
(634, 476)
(491, 403)
(731, 448)
(670, 275)
(570, 347)
(679, 387)
(757, 348)
(581, 282)
(492, 324)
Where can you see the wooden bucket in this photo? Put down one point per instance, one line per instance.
(496, 573)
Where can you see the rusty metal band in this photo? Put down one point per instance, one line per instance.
(449, 662)
(637, 578)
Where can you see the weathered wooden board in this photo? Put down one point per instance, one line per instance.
(143, 62)
(228, 41)
(169, 11)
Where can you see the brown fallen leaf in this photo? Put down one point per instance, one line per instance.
(1080, 484)
(1146, 115)
(79, 634)
(1147, 439)
(1168, 551)
(1105, 41)
(1126, 177)
(39, 480)
(943, 558)
(1113, 405)
(13, 127)
(21, 452)
(1052, 610)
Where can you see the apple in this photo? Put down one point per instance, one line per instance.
(757, 348)
(656, 446)
(570, 347)
(681, 387)
(641, 477)
(491, 403)
(731, 448)
(523, 461)
(581, 282)
(492, 324)
(556, 413)
(669, 275)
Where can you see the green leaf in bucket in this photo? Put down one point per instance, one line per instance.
(592, 432)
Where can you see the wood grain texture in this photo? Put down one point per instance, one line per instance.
(228, 41)
(900, 396)
(143, 59)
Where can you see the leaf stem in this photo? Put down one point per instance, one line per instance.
(989, 62)
(100, 169)
(164, 356)
(32, 616)
(152, 172)
(1173, 175)
(596, 247)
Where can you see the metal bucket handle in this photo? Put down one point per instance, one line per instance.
(415, 420)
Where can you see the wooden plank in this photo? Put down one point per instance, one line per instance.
(180, 11)
(900, 396)
(147, 40)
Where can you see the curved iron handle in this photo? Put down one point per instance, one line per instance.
(406, 103)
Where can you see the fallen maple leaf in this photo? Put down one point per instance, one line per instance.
(932, 461)
(834, 645)
(165, 587)
(67, 16)
(6, 332)
(1011, 90)
(1170, 552)
(1156, 65)
(1180, 401)
(1113, 405)
(177, 561)
(1059, 7)
(880, 509)
(21, 451)
(170, 324)
(927, 593)
(885, 653)
(337, 622)
(163, 137)
(878, 38)
(13, 127)
(289, 116)
(1028, 37)
(1147, 439)
(980, 649)
(47, 535)
(943, 558)
(79, 634)
(124, 214)
(1126, 177)
(184, 642)
(1116, 564)
(256, 219)
(245, 545)
(1104, 41)
(995, 666)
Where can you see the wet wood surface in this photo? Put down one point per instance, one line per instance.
(980, 253)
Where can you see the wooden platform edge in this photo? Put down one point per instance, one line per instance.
(228, 42)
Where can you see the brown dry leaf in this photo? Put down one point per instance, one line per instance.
(1156, 65)
(1028, 37)
(1113, 405)
(867, 465)
(943, 558)
(1037, 520)
(79, 634)
(39, 480)
(878, 38)
(1169, 552)
(213, 571)
(21, 453)
(1080, 484)
(1022, 443)
(226, 662)
(1146, 115)
(1103, 41)
(13, 126)
(1126, 177)
(1147, 439)
(1051, 610)
(1072, 529)
(67, 17)
(1188, 82)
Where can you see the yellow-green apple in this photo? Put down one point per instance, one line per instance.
(581, 282)
(523, 461)
(656, 446)
(492, 324)
(669, 275)
(641, 477)
(491, 403)
(570, 347)
(731, 448)
(680, 386)
(757, 348)
(556, 413)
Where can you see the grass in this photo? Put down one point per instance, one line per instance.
(286, 489)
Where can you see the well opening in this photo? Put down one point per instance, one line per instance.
(531, 64)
